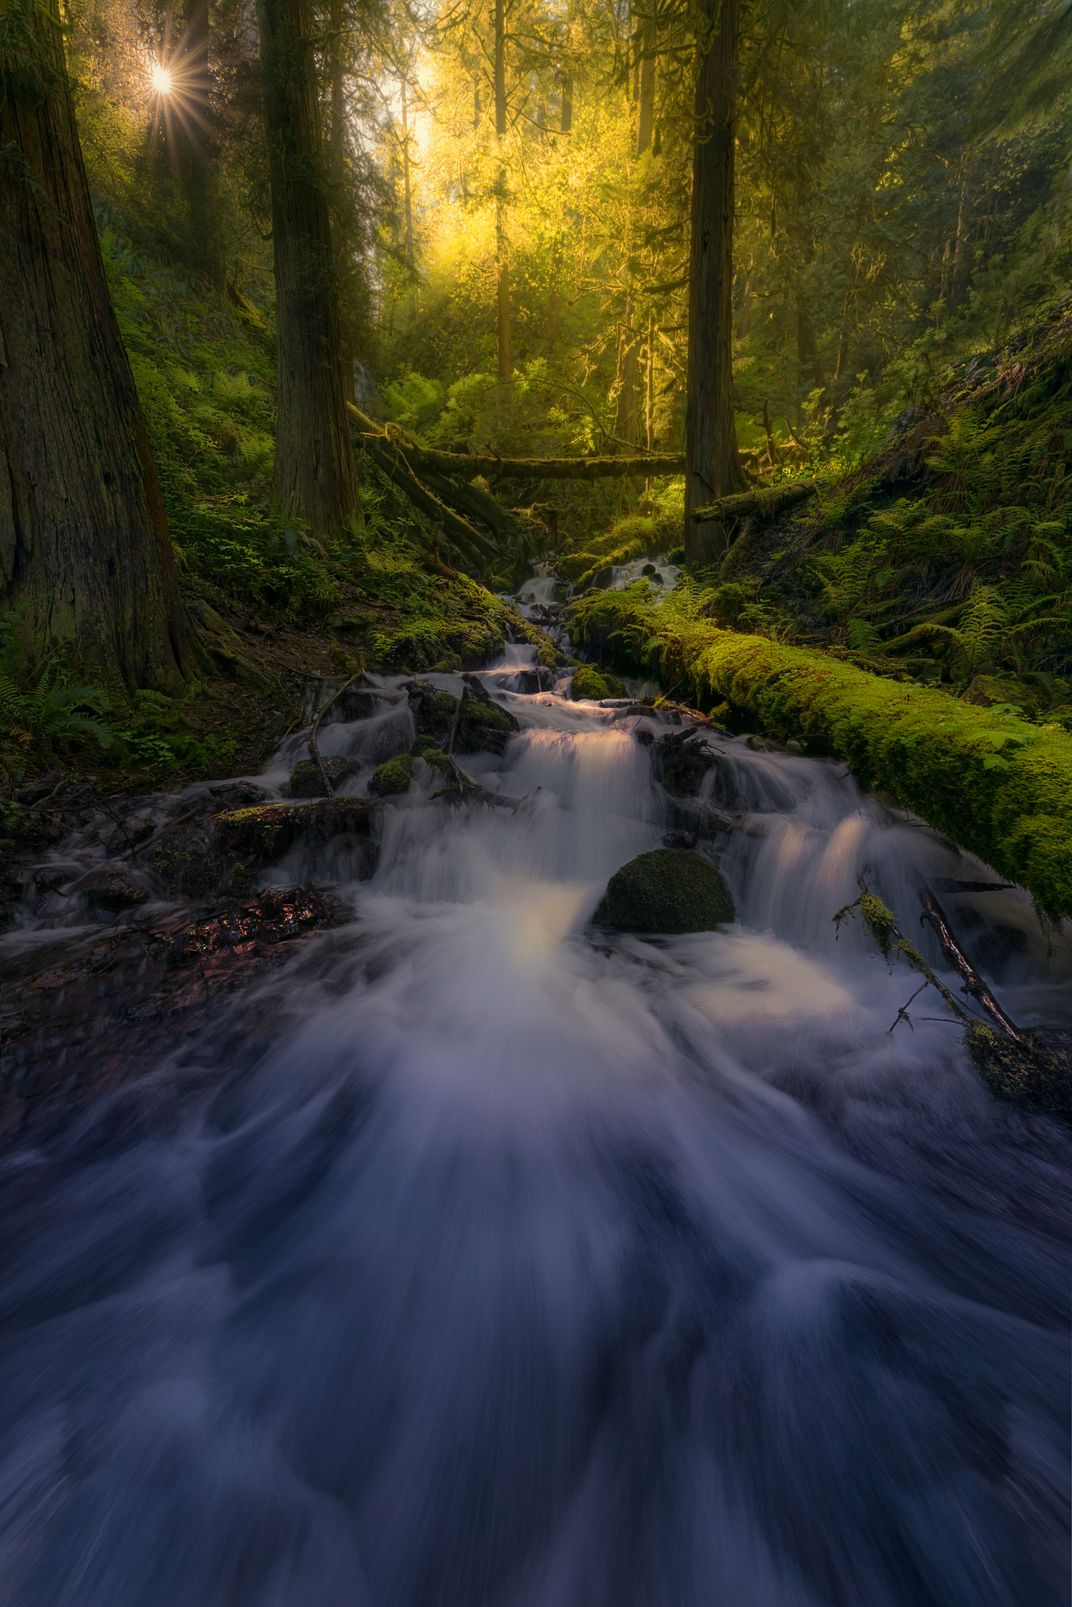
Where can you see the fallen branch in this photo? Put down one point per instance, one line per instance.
(973, 982)
(314, 746)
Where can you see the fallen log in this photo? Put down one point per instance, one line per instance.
(974, 985)
(472, 465)
(766, 502)
(457, 530)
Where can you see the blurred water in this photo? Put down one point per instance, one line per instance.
(512, 1265)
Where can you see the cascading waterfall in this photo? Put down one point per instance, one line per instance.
(493, 1261)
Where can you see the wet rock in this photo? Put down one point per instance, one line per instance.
(306, 780)
(425, 748)
(392, 777)
(681, 761)
(69, 1038)
(592, 685)
(263, 833)
(666, 890)
(481, 726)
(110, 888)
(679, 839)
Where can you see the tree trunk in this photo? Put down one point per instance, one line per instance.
(195, 146)
(84, 547)
(713, 467)
(646, 86)
(315, 475)
(502, 261)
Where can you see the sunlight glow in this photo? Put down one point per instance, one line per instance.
(160, 78)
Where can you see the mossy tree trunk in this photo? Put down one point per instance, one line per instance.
(713, 467)
(315, 475)
(84, 546)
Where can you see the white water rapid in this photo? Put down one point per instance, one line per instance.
(476, 1258)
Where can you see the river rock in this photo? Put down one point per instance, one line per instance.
(480, 727)
(392, 777)
(591, 685)
(666, 890)
(265, 832)
(306, 780)
(110, 889)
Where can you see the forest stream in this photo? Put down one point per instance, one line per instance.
(476, 1257)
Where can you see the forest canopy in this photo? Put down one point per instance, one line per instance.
(335, 266)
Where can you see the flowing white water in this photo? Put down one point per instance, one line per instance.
(508, 1264)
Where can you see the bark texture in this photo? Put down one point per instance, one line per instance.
(712, 464)
(315, 475)
(84, 547)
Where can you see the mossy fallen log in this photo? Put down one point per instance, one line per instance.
(997, 785)
(489, 466)
(765, 502)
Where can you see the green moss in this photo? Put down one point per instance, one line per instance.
(263, 832)
(425, 748)
(592, 684)
(1000, 787)
(392, 777)
(667, 890)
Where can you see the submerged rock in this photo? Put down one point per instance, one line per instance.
(666, 890)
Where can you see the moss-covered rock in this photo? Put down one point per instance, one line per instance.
(392, 777)
(591, 684)
(994, 783)
(483, 726)
(426, 749)
(667, 890)
(306, 780)
(265, 832)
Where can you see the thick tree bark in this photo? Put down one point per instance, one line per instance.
(502, 259)
(713, 467)
(192, 125)
(315, 477)
(84, 548)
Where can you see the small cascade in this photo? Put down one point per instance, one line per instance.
(476, 1256)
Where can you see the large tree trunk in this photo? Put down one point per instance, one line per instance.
(502, 260)
(315, 475)
(713, 468)
(84, 546)
(193, 125)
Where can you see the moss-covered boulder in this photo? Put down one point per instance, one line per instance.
(265, 832)
(483, 727)
(392, 777)
(425, 748)
(591, 684)
(306, 780)
(667, 890)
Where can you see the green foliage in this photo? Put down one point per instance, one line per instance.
(42, 712)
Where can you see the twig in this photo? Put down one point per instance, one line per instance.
(314, 747)
(455, 723)
(902, 1014)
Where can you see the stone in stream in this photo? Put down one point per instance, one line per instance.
(108, 889)
(481, 726)
(265, 832)
(306, 780)
(392, 777)
(666, 890)
(592, 685)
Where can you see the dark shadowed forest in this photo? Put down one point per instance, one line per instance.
(535, 802)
